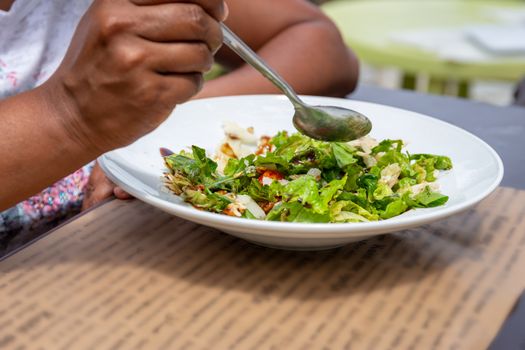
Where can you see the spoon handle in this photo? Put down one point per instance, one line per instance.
(247, 54)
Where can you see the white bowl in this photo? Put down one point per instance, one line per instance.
(137, 168)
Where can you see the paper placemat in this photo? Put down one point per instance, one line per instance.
(127, 276)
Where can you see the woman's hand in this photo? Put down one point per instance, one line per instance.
(130, 62)
(99, 187)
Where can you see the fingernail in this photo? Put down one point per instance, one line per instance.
(226, 11)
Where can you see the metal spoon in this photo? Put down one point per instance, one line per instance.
(326, 123)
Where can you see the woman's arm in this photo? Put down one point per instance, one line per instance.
(35, 148)
(296, 39)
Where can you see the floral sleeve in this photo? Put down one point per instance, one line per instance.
(43, 211)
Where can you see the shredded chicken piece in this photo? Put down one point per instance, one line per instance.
(390, 174)
(238, 143)
(417, 189)
(227, 150)
(239, 148)
(235, 132)
(369, 160)
(264, 145)
(316, 173)
(266, 181)
(221, 159)
(234, 209)
(366, 143)
(249, 204)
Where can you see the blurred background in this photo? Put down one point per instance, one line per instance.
(471, 49)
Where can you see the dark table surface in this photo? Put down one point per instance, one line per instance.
(501, 127)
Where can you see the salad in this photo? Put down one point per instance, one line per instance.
(293, 178)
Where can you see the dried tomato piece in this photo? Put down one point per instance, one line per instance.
(270, 174)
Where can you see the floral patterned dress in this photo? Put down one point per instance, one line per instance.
(43, 211)
(34, 36)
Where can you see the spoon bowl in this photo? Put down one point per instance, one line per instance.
(325, 123)
(330, 123)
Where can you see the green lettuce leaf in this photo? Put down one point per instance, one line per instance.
(273, 162)
(237, 167)
(295, 212)
(208, 201)
(307, 215)
(428, 199)
(260, 193)
(207, 167)
(304, 190)
(348, 206)
(327, 194)
(344, 154)
(183, 164)
(440, 162)
(369, 183)
(388, 145)
(395, 208)
(381, 191)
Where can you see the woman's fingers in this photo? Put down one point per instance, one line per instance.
(174, 23)
(215, 8)
(175, 58)
(178, 88)
(121, 194)
(98, 188)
